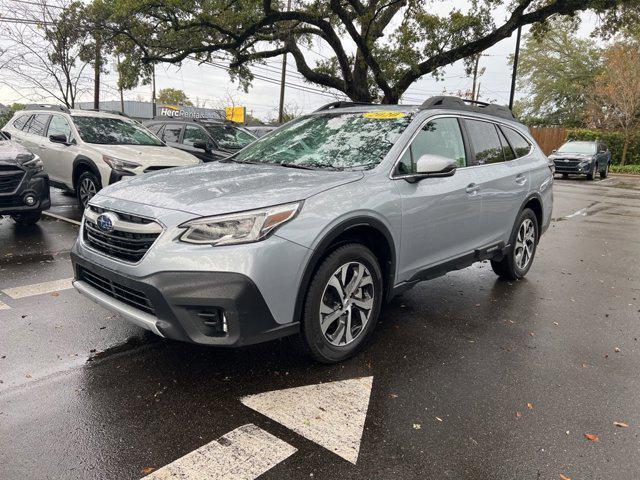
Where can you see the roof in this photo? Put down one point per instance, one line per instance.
(62, 109)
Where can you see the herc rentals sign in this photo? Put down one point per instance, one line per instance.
(182, 111)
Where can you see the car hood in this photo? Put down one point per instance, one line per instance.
(148, 155)
(9, 151)
(217, 188)
(584, 156)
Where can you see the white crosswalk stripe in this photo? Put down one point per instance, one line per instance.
(242, 454)
(39, 288)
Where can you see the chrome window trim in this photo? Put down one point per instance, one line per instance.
(456, 116)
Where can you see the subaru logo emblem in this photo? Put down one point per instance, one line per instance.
(106, 222)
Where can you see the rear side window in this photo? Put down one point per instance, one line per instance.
(485, 141)
(520, 145)
(172, 133)
(38, 124)
(506, 148)
(21, 121)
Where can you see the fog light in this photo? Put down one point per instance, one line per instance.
(30, 200)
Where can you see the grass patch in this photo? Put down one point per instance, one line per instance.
(628, 169)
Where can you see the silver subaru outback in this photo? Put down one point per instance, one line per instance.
(313, 227)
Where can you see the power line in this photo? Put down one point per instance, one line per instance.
(24, 21)
(37, 4)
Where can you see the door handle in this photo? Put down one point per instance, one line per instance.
(472, 189)
(521, 179)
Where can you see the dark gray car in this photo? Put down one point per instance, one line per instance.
(588, 158)
(311, 228)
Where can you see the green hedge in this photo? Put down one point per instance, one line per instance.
(628, 169)
(615, 141)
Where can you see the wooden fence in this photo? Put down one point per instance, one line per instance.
(549, 138)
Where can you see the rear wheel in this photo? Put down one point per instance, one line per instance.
(87, 186)
(342, 304)
(524, 240)
(26, 219)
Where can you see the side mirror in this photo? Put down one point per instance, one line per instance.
(206, 146)
(436, 166)
(554, 151)
(59, 138)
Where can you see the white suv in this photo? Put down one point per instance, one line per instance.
(84, 150)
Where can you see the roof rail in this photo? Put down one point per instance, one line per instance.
(332, 105)
(457, 103)
(110, 112)
(44, 106)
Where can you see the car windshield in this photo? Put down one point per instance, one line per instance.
(113, 131)
(578, 147)
(228, 136)
(330, 141)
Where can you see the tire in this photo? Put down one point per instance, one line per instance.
(333, 341)
(26, 219)
(87, 186)
(511, 266)
(592, 174)
(565, 175)
(604, 173)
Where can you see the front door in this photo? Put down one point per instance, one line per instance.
(59, 157)
(440, 216)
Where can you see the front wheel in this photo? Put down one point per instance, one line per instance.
(88, 185)
(524, 241)
(592, 174)
(342, 305)
(26, 219)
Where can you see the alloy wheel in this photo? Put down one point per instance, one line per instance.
(87, 191)
(525, 244)
(346, 304)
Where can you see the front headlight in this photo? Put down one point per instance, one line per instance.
(31, 161)
(118, 164)
(243, 227)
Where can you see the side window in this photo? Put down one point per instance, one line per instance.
(38, 124)
(59, 126)
(441, 136)
(506, 148)
(485, 141)
(520, 145)
(172, 133)
(21, 121)
(193, 134)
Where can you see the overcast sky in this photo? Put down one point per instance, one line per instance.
(211, 85)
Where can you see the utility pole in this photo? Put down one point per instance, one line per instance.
(153, 92)
(97, 64)
(516, 56)
(282, 78)
(475, 77)
(120, 86)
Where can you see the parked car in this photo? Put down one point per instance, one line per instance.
(24, 187)
(310, 229)
(207, 139)
(84, 150)
(261, 130)
(582, 158)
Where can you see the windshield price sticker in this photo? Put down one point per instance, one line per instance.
(384, 114)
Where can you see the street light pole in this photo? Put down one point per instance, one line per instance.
(282, 78)
(516, 56)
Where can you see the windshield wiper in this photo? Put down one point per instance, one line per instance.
(315, 166)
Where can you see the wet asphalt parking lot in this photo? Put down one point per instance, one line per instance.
(465, 377)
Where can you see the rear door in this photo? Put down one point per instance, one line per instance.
(503, 181)
(33, 137)
(439, 215)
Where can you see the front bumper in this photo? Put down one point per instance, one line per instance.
(36, 184)
(572, 166)
(211, 308)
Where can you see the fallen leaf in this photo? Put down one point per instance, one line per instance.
(518, 414)
(617, 350)
(439, 419)
(564, 477)
(55, 294)
(530, 406)
(621, 424)
(592, 437)
(584, 365)
(532, 334)
(393, 395)
(28, 375)
(147, 470)
(417, 426)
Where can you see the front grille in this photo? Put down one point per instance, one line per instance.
(130, 296)
(124, 242)
(567, 165)
(10, 178)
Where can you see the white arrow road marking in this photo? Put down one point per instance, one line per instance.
(39, 288)
(582, 213)
(329, 414)
(4, 306)
(242, 454)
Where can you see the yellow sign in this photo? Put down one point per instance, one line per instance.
(384, 114)
(236, 114)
